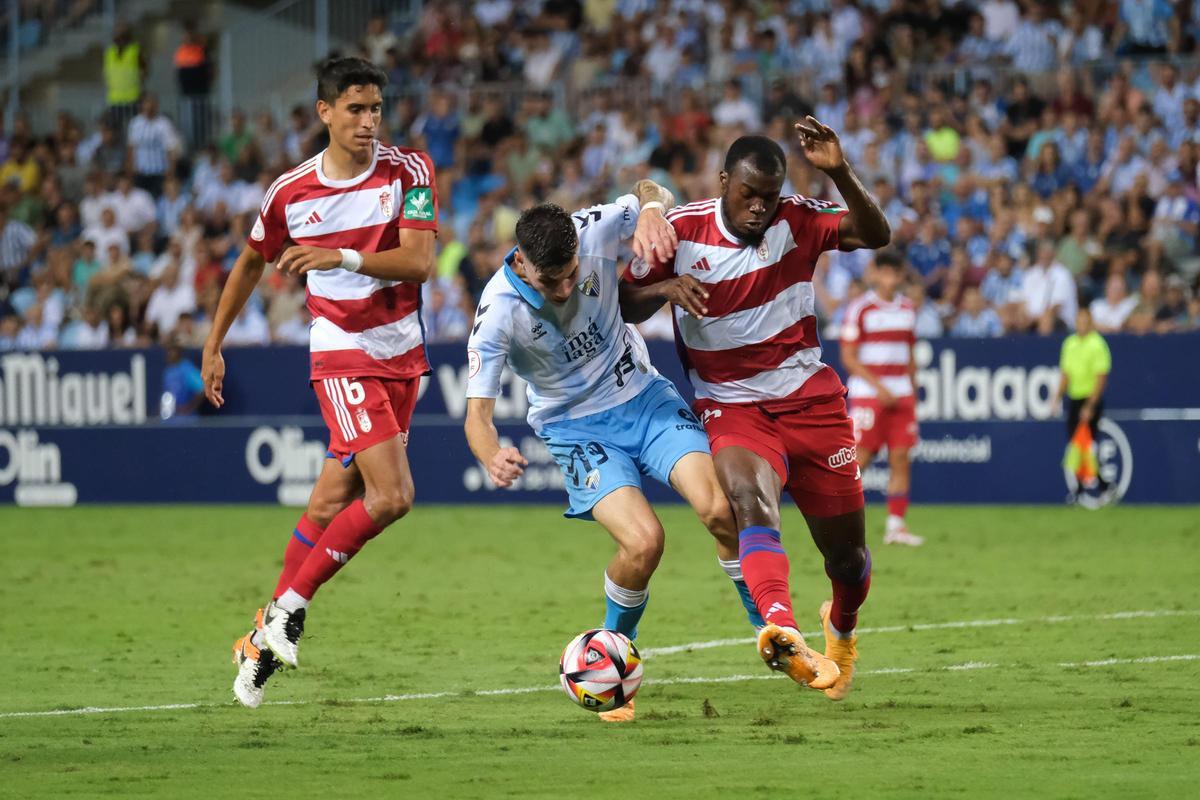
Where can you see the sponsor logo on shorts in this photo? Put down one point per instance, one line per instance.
(690, 423)
(592, 481)
(364, 421)
(847, 455)
(710, 414)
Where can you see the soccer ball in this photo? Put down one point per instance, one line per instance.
(600, 670)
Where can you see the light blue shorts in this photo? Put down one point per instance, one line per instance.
(602, 452)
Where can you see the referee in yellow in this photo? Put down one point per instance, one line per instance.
(1085, 362)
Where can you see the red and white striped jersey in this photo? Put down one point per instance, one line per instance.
(362, 326)
(758, 343)
(885, 334)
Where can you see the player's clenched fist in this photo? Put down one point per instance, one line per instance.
(212, 370)
(506, 466)
(687, 293)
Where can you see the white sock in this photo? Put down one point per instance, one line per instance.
(839, 634)
(894, 522)
(630, 598)
(291, 601)
(732, 568)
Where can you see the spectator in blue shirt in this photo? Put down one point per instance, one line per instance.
(976, 320)
(1049, 176)
(930, 253)
(183, 388)
(440, 129)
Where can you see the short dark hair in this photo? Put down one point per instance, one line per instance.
(761, 152)
(337, 74)
(546, 235)
(889, 258)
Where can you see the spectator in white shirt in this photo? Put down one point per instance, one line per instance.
(225, 189)
(89, 333)
(1000, 19)
(1110, 312)
(1048, 295)
(541, 60)
(94, 201)
(153, 146)
(378, 39)
(134, 206)
(172, 298)
(734, 109)
(170, 206)
(107, 233)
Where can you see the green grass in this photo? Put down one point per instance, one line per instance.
(122, 606)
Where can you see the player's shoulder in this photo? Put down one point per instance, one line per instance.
(693, 218)
(797, 205)
(296, 179)
(408, 162)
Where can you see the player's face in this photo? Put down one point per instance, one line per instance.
(886, 280)
(750, 199)
(555, 287)
(354, 118)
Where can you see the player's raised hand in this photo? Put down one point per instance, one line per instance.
(821, 144)
(654, 238)
(506, 466)
(212, 371)
(687, 293)
(299, 260)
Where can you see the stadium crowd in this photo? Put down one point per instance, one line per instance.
(1030, 157)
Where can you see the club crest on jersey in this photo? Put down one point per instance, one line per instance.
(764, 251)
(258, 232)
(418, 205)
(364, 421)
(538, 330)
(385, 202)
(590, 286)
(639, 268)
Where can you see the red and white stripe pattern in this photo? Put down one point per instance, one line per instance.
(337, 401)
(362, 326)
(758, 341)
(885, 333)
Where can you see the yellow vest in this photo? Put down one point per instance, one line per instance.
(123, 74)
(1084, 359)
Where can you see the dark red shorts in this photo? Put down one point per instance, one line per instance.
(811, 448)
(362, 412)
(876, 425)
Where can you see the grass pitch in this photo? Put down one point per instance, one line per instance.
(1002, 664)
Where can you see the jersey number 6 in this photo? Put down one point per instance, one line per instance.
(355, 393)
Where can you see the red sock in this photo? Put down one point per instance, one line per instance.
(897, 506)
(765, 568)
(848, 598)
(303, 540)
(350, 530)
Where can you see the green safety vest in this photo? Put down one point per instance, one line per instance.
(123, 74)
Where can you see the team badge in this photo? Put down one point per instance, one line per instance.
(364, 421)
(258, 232)
(590, 286)
(418, 205)
(639, 268)
(764, 252)
(474, 362)
(385, 202)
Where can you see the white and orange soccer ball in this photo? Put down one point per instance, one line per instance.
(600, 670)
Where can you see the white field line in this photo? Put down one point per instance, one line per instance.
(935, 626)
(396, 698)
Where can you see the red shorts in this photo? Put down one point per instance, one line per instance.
(810, 448)
(362, 412)
(876, 425)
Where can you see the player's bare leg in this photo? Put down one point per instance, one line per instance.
(695, 478)
(629, 519)
(899, 480)
(753, 488)
(336, 488)
(842, 541)
(387, 496)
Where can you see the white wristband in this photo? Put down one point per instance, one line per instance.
(654, 204)
(352, 260)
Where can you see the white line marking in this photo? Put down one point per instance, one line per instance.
(936, 626)
(972, 665)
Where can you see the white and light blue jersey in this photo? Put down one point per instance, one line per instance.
(579, 358)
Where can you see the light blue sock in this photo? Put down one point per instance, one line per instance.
(623, 608)
(734, 570)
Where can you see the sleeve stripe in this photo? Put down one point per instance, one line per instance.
(286, 178)
(411, 162)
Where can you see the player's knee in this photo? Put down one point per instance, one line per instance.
(644, 550)
(752, 506)
(848, 564)
(717, 517)
(322, 509)
(390, 504)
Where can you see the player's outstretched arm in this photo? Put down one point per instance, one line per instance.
(639, 303)
(654, 239)
(412, 261)
(504, 464)
(865, 225)
(244, 276)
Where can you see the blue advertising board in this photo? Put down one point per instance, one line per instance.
(84, 427)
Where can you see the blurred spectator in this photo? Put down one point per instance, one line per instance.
(183, 388)
(1110, 312)
(1048, 294)
(17, 243)
(445, 320)
(194, 73)
(929, 324)
(439, 130)
(378, 39)
(976, 320)
(172, 298)
(88, 333)
(153, 147)
(107, 234)
(134, 207)
(20, 168)
(124, 70)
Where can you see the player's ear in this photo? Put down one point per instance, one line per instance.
(724, 181)
(324, 111)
